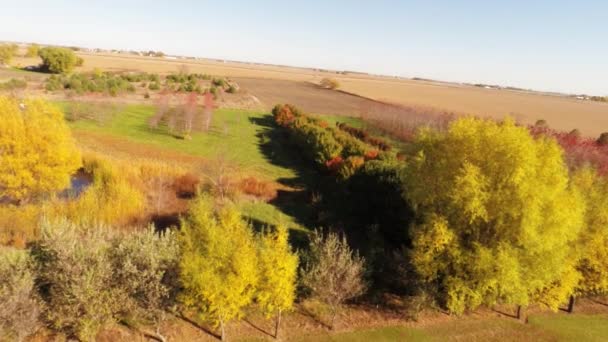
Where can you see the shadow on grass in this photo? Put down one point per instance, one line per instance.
(258, 328)
(276, 148)
(197, 325)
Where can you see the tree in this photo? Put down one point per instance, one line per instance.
(58, 60)
(39, 154)
(20, 305)
(593, 243)
(497, 216)
(7, 52)
(32, 50)
(218, 267)
(278, 272)
(145, 265)
(333, 273)
(329, 83)
(74, 274)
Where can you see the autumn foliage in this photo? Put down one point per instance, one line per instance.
(38, 152)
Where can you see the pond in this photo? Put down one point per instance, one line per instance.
(79, 182)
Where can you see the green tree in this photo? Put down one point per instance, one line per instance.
(497, 216)
(32, 50)
(218, 268)
(333, 273)
(38, 152)
(7, 52)
(593, 244)
(278, 274)
(74, 273)
(58, 60)
(145, 265)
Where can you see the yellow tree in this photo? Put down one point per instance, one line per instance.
(218, 268)
(593, 244)
(497, 216)
(37, 152)
(278, 274)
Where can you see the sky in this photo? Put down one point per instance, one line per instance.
(543, 45)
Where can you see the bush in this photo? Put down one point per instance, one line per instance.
(231, 89)
(13, 84)
(541, 123)
(20, 305)
(145, 273)
(187, 185)
(58, 60)
(333, 273)
(75, 278)
(154, 86)
(329, 83)
(7, 52)
(602, 140)
(219, 82)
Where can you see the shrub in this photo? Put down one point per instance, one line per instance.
(231, 89)
(145, 272)
(7, 52)
(154, 86)
(75, 276)
(329, 83)
(110, 199)
(283, 115)
(146, 95)
(541, 123)
(32, 50)
(602, 140)
(219, 82)
(39, 154)
(20, 305)
(255, 187)
(350, 166)
(58, 60)
(333, 273)
(187, 185)
(13, 84)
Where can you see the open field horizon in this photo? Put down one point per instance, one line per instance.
(561, 112)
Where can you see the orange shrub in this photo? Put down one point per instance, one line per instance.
(257, 188)
(186, 185)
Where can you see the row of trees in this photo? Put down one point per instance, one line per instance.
(77, 278)
(490, 214)
(330, 148)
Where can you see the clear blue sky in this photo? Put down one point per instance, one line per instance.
(546, 45)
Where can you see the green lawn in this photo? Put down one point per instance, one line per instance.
(549, 327)
(242, 137)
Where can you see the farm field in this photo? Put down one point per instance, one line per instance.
(591, 118)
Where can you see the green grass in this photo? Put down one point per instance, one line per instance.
(240, 136)
(549, 327)
(574, 327)
(233, 135)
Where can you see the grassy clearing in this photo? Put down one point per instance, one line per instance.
(238, 136)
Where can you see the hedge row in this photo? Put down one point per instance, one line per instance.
(330, 148)
(364, 136)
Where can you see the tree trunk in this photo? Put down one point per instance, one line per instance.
(521, 313)
(571, 305)
(222, 330)
(277, 325)
(333, 317)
